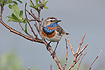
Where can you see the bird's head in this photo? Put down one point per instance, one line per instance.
(49, 21)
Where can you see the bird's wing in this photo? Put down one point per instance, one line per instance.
(60, 30)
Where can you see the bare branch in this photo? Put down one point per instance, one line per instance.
(81, 60)
(50, 67)
(95, 59)
(81, 43)
(2, 5)
(70, 45)
(66, 54)
(83, 49)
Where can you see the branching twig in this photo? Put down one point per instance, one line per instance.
(95, 59)
(83, 49)
(81, 60)
(29, 23)
(76, 58)
(24, 31)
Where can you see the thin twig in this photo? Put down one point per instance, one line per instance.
(95, 59)
(29, 23)
(32, 2)
(81, 60)
(70, 45)
(66, 54)
(71, 66)
(36, 26)
(2, 5)
(83, 49)
(79, 57)
(24, 31)
(50, 67)
(81, 43)
(35, 16)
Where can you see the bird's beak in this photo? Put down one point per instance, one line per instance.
(57, 21)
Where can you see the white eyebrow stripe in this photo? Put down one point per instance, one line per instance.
(50, 19)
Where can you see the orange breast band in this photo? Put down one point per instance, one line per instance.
(49, 36)
(51, 28)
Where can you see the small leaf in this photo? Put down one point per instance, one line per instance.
(37, 2)
(10, 6)
(19, 1)
(15, 2)
(31, 3)
(26, 28)
(12, 18)
(21, 14)
(45, 7)
(15, 10)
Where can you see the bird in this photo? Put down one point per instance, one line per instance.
(52, 31)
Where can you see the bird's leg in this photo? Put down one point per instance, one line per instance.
(48, 45)
(55, 49)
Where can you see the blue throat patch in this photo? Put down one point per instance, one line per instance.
(48, 31)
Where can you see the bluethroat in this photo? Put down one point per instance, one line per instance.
(51, 31)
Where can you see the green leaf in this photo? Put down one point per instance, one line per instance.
(37, 2)
(45, 7)
(31, 3)
(19, 1)
(10, 6)
(12, 18)
(15, 2)
(21, 14)
(15, 10)
(26, 28)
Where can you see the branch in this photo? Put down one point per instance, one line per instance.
(76, 58)
(95, 59)
(66, 54)
(20, 34)
(81, 60)
(70, 45)
(24, 31)
(2, 5)
(81, 43)
(50, 67)
(28, 22)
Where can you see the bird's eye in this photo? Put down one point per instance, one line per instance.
(51, 20)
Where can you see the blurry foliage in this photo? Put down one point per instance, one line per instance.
(10, 61)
